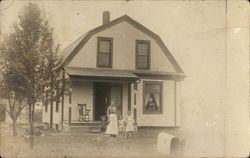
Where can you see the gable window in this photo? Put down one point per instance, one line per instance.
(142, 55)
(104, 52)
(152, 97)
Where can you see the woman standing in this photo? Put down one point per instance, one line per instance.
(112, 127)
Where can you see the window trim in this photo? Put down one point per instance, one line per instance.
(161, 95)
(111, 52)
(137, 54)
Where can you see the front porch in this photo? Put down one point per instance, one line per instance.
(95, 95)
(95, 88)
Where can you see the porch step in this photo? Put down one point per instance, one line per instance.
(80, 127)
(78, 123)
(85, 124)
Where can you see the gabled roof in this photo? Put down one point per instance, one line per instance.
(70, 52)
(66, 51)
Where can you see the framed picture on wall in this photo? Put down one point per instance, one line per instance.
(152, 97)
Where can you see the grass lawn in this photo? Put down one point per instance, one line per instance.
(79, 145)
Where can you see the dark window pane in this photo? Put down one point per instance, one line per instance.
(104, 46)
(142, 49)
(103, 59)
(142, 61)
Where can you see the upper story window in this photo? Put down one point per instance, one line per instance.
(142, 55)
(104, 52)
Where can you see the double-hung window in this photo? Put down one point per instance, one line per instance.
(104, 52)
(142, 55)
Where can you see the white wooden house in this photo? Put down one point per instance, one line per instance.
(125, 62)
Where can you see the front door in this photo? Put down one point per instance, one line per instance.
(102, 99)
(104, 93)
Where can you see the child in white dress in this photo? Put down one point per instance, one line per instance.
(121, 127)
(129, 124)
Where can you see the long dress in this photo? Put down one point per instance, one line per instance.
(112, 127)
(130, 123)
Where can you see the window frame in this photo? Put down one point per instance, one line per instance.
(98, 52)
(161, 96)
(148, 54)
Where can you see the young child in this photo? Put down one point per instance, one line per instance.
(121, 127)
(129, 124)
(26, 135)
(103, 125)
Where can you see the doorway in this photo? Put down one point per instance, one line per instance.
(102, 99)
(103, 94)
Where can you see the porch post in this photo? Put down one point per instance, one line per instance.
(63, 89)
(51, 114)
(69, 114)
(129, 95)
(135, 100)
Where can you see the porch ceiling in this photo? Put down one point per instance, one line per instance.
(95, 73)
(101, 73)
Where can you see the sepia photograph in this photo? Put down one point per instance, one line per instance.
(124, 78)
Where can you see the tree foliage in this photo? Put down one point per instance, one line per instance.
(29, 61)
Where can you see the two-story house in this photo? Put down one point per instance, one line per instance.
(125, 62)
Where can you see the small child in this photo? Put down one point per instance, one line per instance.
(121, 127)
(103, 125)
(129, 124)
(26, 135)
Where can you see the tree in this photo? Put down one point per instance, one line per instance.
(11, 81)
(30, 58)
(15, 104)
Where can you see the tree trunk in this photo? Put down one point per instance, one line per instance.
(14, 127)
(31, 121)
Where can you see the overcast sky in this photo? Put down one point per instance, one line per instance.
(168, 19)
(190, 29)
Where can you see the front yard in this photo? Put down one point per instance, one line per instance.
(79, 145)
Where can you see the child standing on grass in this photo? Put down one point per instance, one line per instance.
(129, 124)
(121, 126)
(103, 124)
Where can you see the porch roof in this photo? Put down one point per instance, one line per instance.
(101, 73)
(121, 74)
